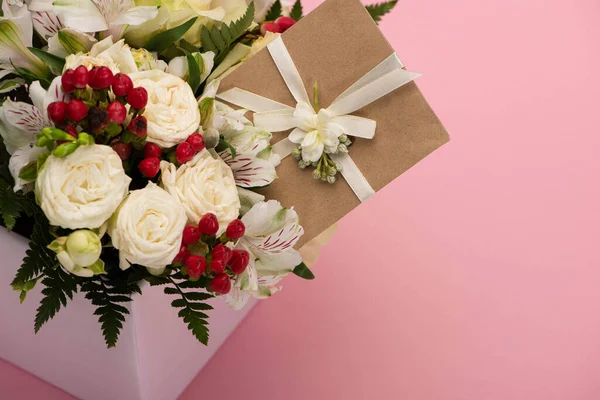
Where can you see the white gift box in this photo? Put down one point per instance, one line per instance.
(156, 356)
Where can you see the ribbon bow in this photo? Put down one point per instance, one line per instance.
(319, 131)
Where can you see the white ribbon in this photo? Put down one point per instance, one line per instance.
(273, 116)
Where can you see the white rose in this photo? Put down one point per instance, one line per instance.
(147, 229)
(83, 189)
(172, 110)
(116, 56)
(203, 185)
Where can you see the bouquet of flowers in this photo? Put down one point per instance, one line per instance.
(122, 167)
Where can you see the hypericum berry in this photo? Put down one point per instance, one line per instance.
(122, 149)
(116, 112)
(139, 126)
(137, 98)
(100, 77)
(197, 141)
(184, 152)
(269, 27)
(235, 229)
(70, 129)
(67, 81)
(217, 266)
(97, 119)
(285, 23)
(195, 266)
(121, 84)
(221, 284)
(239, 261)
(221, 252)
(81, 77)
(76, 110)
(57, 112)
(191, 234)
(183, 254)
(209, 224)
(152, 150)
(149, 167)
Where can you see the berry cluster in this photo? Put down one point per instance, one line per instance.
(184, 152)
(220, 262)
(96, 110)
(280, 25)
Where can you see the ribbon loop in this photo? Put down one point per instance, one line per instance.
(288, 70)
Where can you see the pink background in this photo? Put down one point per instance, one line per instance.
(484, 280)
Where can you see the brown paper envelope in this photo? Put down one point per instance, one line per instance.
(335, 45)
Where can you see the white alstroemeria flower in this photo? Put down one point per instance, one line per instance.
(45, 22)
(111, 17)
(271, 233)
(116, 56)
(316, 132)
(218, 117)
(83, 190)
(147, 228)
(16, 33)
(254, 163)
(70, 41)
(20, 122)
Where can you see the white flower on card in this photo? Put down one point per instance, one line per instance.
(272, 231)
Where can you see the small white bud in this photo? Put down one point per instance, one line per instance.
(331, 179)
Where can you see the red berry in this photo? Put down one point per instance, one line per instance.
(221, 284)
(184, 152)
(235, 229)
(137, 98)
(57, 112)
(195, 266)
(191, 234)
(149, 167)
(67, 81)
(217, 266)
(183, 254)
(81, 77)
(116, 112)
(100, 77)
(269, 27)
(197, 141)
(139, 126)
(221, 252)
(209, 224)
(285, 23)
(70, 129)
(121, 84)
(239, 261)
(152, 150)
(76, 110)
(123, 149)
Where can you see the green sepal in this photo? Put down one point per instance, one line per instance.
(303, 271)
(98, 267)
(130, 137)
(29, 172)
(84, 139)
(224, 145)
(206, 107)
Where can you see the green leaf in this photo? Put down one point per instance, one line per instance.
(193, 71)
(297, 12)
(191, 305)
(220, 40)
(10, 206)
(55, 63)
(162, 41)
(379, 10)
(274, 12)
(59, 288)
(303, 271)
(224, 145)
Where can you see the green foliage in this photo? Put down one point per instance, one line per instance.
(59, 287)
(303, 271)
(191, 304)
(55, 63)
(225, 145)
(220, 41)
(379, 10)
(274, 12)
(162, 41)
(297, 11)
(107, 294)
(10, 207)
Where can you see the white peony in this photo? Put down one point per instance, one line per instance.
(148, 228)
(84, 189)
(203, 185)
(116, 56)
(172, 110)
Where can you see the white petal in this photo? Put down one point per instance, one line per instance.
(248, 199)
(37, 94)
(20, 158)
(136, 16)
(80, 14)
(178, 66)
(252, 172)
(297, 135)
(19, 122)
(45, 23)
(237, 299)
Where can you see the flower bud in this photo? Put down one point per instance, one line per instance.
(72, 41)
(65, 149)
(342, 148)
(13, 48)
(331, 179)
(79, 253)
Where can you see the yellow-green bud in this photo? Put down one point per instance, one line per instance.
(65, 149)
(84, 247)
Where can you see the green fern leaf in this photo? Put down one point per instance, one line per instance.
(274, 12)
(59, 288)
(10, 207)
(220, 40)
(297, 11)
(379, 10)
